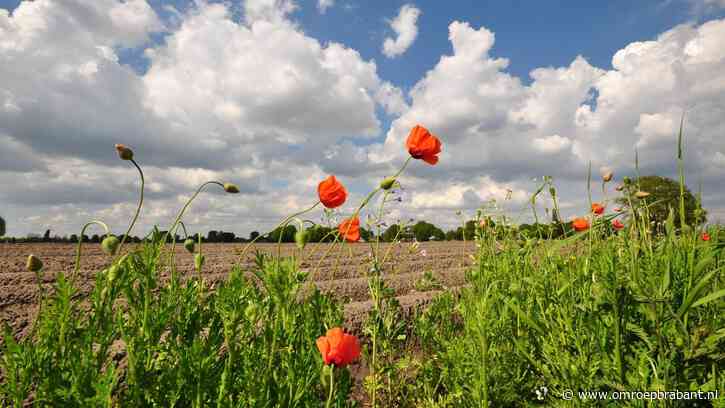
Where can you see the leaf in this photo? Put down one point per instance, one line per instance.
(709, 298)
(690, 300)
(523, 316)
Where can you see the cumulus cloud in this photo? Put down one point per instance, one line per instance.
(406, 29)
(323, 5)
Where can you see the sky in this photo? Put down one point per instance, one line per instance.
(275, 95)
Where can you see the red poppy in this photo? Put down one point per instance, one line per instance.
(617, 225)
(332, 193)
(422, 144)
(350, 229)
(580, 224)
(338, 347)
(597, 208)
(705, 236)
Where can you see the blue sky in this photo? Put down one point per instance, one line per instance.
(251, 92)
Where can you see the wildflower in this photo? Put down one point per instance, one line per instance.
(387, 183)
(110, 244)
(34, 264)
(338, 347)
(331, 192)
(350, 229)
(423, 253)
(607, 174)
(189, 245)
(617, 225)
(641, 194)
(597, 208)
(124, 152)
(617, 209)
(231, 188)
(705, 236)
(422, 144)
(580, 224)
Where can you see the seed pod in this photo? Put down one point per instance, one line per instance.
(110, 244)
(301, 238)
(198, 261)
(231, 188)
(189, 245)
(124, 152)
(387, 183)
(34, 264)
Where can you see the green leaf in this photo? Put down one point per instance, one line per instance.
(709, 298)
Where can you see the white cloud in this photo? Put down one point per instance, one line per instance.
(323, 5)
(274, 11)
(406, 29)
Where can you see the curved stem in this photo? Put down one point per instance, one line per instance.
(80, 244)
(138, 209)
(246, 247)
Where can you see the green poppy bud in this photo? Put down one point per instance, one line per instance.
(198, 261)
(124, 152)
(189, 245)
(301, 237)
(627, 180)
(34, 264)
(231, 188)
(110, 244)
(387, 183)
(250, 312)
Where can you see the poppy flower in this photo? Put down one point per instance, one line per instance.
(705, 236)
(331, 192)
(580, 224)
(338, 347)
(617, 225)
(350, 229)
(617, 209)
(597, 208)
(422, 144)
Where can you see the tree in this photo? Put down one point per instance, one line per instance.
(288, 234)
(390, 233)
(424, 231)
(253, 235)
(664, 194)
(2, 226)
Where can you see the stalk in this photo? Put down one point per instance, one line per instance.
(80, 244)
(138, 209)
(332, 387)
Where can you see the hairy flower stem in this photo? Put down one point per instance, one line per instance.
(80, 244)
(332, 387)
(138, 210)
(286, 221)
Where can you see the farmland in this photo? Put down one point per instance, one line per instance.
(345, 278)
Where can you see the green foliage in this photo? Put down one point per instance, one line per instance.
(287, 234)
(425, 231)
(664, 195)
(251, 342)
(391, 233)
(2, 226)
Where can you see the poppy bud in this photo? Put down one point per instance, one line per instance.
(198, 261)
(250, 312)
(189, 245)
(387, 183)
(124, 152)
(607, 174)
(231, 188)
(552, 191)
(301, 238)
(641, 194)
(627, 180)
(619, 187)
(110, 244)
(34, 264)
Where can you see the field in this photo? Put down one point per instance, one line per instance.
(344, 278)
